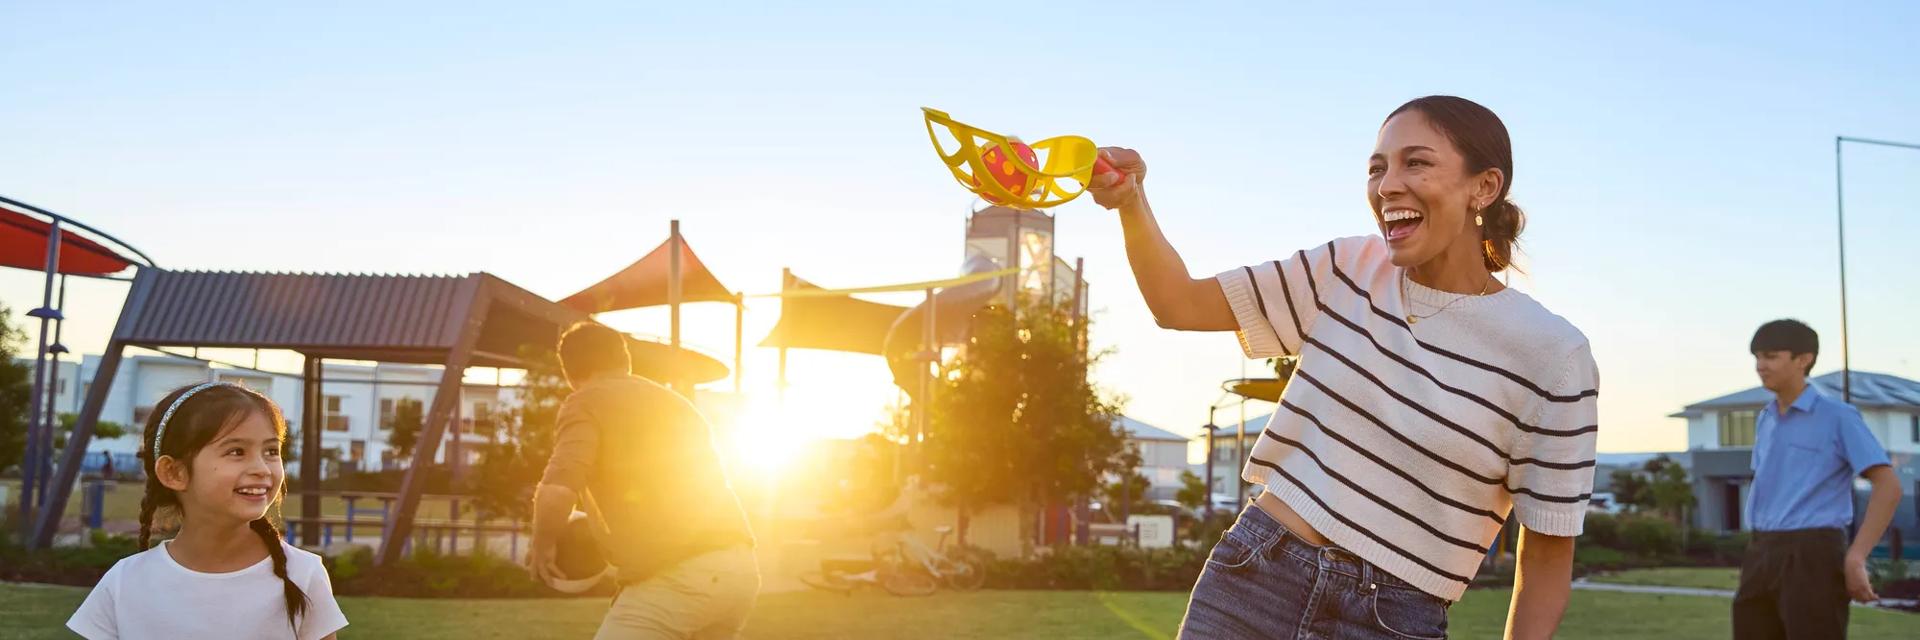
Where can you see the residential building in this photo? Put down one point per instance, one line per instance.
(361, 402)
(1721, 431)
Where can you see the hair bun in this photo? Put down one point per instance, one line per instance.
(1501, 224)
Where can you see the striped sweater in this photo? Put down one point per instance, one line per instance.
(1410, 444)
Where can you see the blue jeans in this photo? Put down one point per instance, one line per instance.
(1263, 581)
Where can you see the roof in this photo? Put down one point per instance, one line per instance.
(388, 318)
(1137, 430)
(1230, 425)
(1870, 391)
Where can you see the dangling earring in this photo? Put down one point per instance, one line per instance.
(1476, 218)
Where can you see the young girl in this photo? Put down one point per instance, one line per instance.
(212, 458)
(1430, 405)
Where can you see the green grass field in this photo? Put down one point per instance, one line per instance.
(1725, 578)
(32, 611)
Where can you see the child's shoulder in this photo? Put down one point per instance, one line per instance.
(301, 562)
(151, 559)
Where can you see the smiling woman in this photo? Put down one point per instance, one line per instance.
(1430, 404)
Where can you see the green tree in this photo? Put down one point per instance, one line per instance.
(1669, 491)
(1130, 497)
(405, 434)
(1193, 492)
(1630, 489)
(16, 391)
(102, 429)
(1016, 420)
(1660, 486)
(511, 465)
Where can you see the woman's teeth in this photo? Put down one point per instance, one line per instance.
(1401, 223)
(251, 491)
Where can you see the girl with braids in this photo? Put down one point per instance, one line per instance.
(212, 458)
(1431, 405)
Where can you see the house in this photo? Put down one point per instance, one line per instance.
(361, 403)
(1229, 455)
(1163, 456)
(1720, 435)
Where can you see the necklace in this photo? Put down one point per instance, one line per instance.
(1413, 319)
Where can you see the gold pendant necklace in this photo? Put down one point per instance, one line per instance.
(1415, 319)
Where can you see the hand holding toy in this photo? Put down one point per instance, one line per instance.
(1017, 174)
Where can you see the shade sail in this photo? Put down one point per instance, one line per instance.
(644, 283)
(23, 245)
(833, 323)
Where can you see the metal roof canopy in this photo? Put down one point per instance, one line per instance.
(455, 321)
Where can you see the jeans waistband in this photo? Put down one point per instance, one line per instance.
(1329, 557)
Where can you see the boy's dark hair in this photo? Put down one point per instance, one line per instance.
(588, 348)
(194, 424)
(1791, 336)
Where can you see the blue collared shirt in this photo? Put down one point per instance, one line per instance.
(1804, 463)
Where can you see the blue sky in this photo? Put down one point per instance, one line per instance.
(1677, 163)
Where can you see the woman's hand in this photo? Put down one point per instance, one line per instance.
(1114, 191)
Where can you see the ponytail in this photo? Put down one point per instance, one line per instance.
(296, 599)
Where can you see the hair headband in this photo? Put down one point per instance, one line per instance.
(160, 432)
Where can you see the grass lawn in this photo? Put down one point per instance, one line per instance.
(39, 612)
(1727, 578)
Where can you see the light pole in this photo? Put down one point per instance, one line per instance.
(1840, 212)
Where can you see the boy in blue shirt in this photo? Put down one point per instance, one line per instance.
(1800, 570)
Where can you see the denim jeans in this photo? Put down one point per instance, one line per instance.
(1262, 581)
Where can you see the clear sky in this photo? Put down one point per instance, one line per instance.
(1677, 163)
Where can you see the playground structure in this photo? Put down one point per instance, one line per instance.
(480, 320)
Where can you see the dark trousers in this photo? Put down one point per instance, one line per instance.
(1793, 585)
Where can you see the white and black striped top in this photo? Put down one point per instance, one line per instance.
(1410, 444)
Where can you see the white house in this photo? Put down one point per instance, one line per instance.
(1163, 456)
(361, 401)
(1720, 434)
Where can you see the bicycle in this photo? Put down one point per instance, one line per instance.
(908, 569)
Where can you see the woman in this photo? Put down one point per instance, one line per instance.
(1431, 402)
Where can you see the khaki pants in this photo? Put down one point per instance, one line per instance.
(706, 597)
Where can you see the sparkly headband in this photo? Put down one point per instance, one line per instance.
(160, 432)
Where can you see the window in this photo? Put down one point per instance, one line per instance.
(140, 415)
(1916, 426)
(482, 420)
(60, 388)
(386, 413)
(1737, 428)
(335, 420)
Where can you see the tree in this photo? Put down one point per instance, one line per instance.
(1659, 486)
(102, 429)
(1630, 489)
(1016, 420)
(1119, 498)
(510, 467)
(1193, 493)
(16, 391)
(1668, 491)
(405, 434)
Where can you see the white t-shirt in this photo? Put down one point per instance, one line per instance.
(149, 595)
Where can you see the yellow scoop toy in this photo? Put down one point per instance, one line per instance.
(1020, 176)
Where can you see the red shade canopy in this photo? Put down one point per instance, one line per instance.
(23, 245)
(644, 283)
